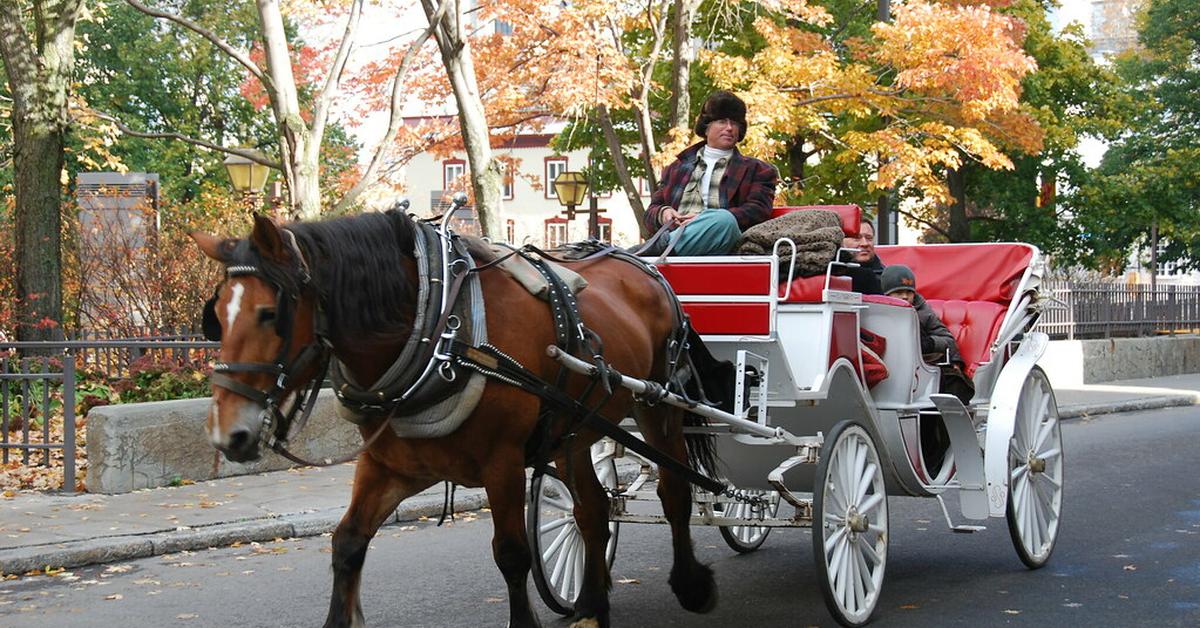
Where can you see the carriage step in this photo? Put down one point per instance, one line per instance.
(961, 528)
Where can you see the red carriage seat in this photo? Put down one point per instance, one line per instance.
(851, 215)
(969, 286)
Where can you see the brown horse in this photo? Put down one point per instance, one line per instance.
(358, 275)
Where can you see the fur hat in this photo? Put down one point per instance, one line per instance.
(898, 277)
(719, 106)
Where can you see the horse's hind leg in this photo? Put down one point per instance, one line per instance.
(377, 492)
(505, 485)
(691, 581)
(591, 516)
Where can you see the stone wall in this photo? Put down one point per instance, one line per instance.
(144, 445)
(1076, 362)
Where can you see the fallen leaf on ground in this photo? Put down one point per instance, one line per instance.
(629, 581)
(114, 596)
(1010, 611)
(1130, 568)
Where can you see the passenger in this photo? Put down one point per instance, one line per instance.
(865, 245)
(938, 345)
(864, 278)
(711, 190)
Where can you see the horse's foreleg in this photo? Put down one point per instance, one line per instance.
(691, 581)
(505, 485)
(591, 516)
(376, 494)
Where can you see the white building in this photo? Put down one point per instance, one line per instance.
(531, 211)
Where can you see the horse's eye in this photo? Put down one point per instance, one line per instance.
(266, 315)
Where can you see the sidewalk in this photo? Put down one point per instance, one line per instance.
(38, 531)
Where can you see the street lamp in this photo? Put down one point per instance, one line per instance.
(570, 187)
(247, 176)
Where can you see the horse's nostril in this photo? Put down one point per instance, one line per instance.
(239, 439)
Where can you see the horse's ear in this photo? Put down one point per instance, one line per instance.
(268, 240)
(211, 245)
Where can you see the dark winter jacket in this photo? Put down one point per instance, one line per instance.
(875, 265)
(936, 339)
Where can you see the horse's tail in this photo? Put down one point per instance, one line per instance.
(701, 448)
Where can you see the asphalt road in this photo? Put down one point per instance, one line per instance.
(1129, 555)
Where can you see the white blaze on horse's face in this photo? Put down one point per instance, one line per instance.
(235, 303)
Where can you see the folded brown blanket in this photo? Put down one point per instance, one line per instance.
(817, 234)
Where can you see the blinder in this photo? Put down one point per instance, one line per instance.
(209, 323)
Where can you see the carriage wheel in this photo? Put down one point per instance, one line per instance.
(1035, 472)
(850, 524)
(745, 539)
(556, 542)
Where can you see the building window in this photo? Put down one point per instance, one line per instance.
(605, 225)
(554, 167)
(510, 231)
(503, 28)
(452, 171)
(556, 232)
(509, 190)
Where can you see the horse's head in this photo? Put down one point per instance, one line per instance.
(263, 314)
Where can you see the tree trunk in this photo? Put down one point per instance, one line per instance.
(622, 169)
(299, 151)
(38, 160)
(960, 223)
(39, 70)
(681, 61)
(486, 171)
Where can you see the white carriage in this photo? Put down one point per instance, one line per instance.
(809, 444)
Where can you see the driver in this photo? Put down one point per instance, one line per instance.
(711, 190)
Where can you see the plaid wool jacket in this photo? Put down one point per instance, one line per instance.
(747, 189)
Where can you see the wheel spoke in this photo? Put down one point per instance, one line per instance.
(560, 561)
(559, 503)
(554, 524)
(869, 550)
(860, 572)
(832, 539)
(563, 536)
(871, 503)
(1050, 453)
(865, 481)
(1018, 473)
(1047, 429)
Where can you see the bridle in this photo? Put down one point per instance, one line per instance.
(277, 424)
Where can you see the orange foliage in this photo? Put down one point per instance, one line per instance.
(944, 77)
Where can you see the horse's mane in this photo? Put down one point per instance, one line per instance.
(356, 262)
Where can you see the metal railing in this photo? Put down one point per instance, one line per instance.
(1108, 309)
(36, 391)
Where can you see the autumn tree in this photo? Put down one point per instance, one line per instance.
(938, 86)
(37, 46)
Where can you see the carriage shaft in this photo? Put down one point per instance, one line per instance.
(640, 387)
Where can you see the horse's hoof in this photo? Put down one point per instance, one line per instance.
(695, 590)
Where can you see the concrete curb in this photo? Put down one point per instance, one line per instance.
(126, 547)
(1082, 410)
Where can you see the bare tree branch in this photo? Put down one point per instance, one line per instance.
(207, 34)
(394, 118)
(334, 79)
(941, 231)
(170, 135)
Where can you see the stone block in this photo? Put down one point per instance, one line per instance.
(146, 445)
(1076, 362)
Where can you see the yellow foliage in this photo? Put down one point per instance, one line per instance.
(943, 77)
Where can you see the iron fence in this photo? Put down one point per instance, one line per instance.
(1108, 309)
(36, 391)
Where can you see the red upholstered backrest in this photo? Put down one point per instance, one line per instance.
(851, 215)
(968, 272)
(974, 325)
(811, 289)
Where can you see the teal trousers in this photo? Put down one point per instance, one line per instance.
(713, 232)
